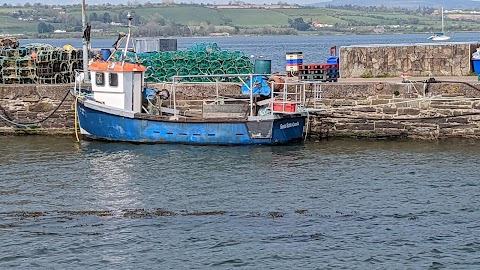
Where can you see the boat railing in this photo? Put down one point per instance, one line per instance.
(80, 83)
(291, 97)
(286, 97)
(246, 80)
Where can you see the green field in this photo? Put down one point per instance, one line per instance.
(197, 18)
(255, 17)
(14, 26)
(183, 14)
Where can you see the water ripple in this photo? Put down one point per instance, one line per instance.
(336, 204)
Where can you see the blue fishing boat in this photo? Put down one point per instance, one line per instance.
(119, 107)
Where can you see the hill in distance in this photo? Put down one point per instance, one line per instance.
(411, 4)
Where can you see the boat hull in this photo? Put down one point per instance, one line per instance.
(100, 124)
(439, 38)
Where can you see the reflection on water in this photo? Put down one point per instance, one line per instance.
(112, 176)
(327, 204)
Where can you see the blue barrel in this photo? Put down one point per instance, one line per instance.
(263, 66)
(476, 66)
(105, 53)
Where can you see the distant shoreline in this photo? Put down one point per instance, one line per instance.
(219, 36)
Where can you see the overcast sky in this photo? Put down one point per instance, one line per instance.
(91, 2)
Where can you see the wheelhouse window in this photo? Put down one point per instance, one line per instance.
(113, 79)
(100, 78)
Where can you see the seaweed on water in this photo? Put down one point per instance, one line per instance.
(136, 213)
(275, 214)
(23, 215)
(208, 213)
(163, 213)
(100, 213)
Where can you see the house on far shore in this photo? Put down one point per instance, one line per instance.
(379, 29)
(224, 34)
(321, 25)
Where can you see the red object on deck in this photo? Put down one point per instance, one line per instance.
(284, 106)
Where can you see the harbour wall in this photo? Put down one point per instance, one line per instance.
(41, 109)
(395, 109)
(430, 59)
(370, 109)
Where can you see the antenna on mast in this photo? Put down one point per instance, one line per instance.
(127, 39)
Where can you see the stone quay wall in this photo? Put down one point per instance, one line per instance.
(373, 110)
(32, 103)
(392, 110)
(442, 59)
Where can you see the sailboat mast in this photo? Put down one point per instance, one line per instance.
(442, 22)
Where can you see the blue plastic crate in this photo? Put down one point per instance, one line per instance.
(332, 60)
(295, 62)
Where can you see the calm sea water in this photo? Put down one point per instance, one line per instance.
(332, 204)
(315, 49)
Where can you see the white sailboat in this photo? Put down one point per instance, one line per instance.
(440, 36)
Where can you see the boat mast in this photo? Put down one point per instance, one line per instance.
(442, 22)
(84, 43)
(129, 39)
(129, 34)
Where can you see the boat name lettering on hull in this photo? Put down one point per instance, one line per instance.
(289, 125)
